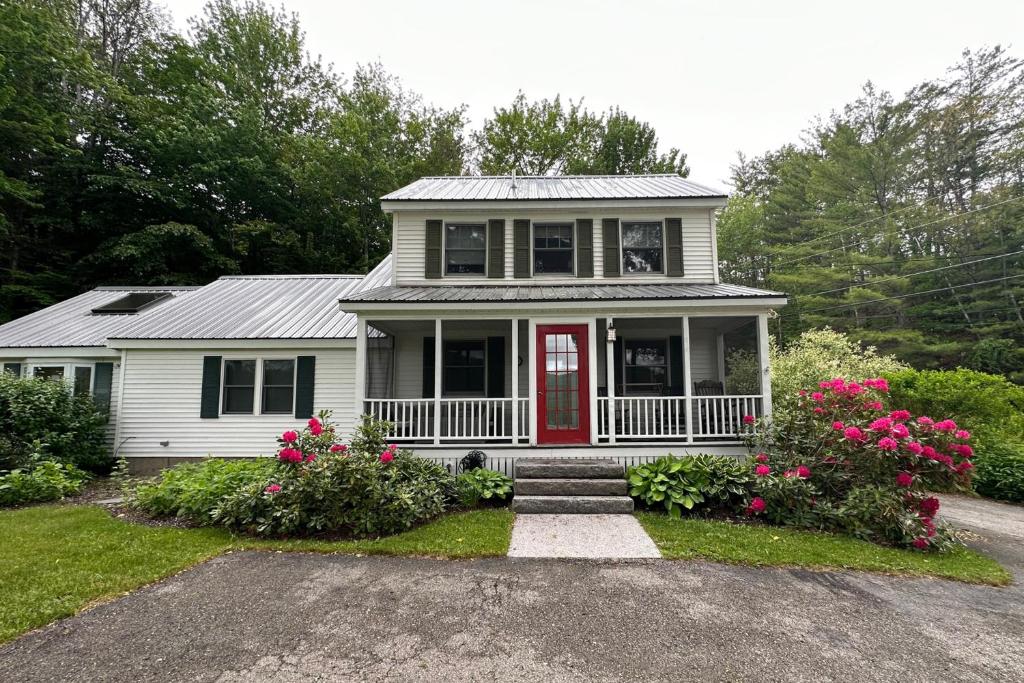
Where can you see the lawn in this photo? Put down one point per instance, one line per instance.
(687, 539)
(59, 559)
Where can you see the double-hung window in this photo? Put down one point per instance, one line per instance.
(642, 247)
(239, 386)
(646, 364)
(465, 249)
(274, 376)
(552, 248)
(465, 364)
(278, 386)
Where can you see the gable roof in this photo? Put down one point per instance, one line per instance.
(262, 307)
(71, 323)
(540, 188)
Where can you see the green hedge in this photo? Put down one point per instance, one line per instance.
(999, 473)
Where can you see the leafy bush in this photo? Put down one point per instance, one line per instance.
(41, 481)
(70, 429)
(686, 483)
(743, 374)
(840, 461)
(322, 486)
(193, 491)
(479, 484)
(819, 355)
(999, 473)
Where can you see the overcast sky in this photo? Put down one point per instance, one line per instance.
(713, 78)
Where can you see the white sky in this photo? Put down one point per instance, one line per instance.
(713, 78)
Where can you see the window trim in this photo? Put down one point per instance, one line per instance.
(444, 247)
(622, 251)
(224, 386)
(257, 400)
(67, 370)
(263, 386)
(668, 359)
(444, 384)
(533, 248)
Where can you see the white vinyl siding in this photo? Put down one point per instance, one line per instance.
(410, 241)
(161, 403)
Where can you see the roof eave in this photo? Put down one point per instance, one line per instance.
(709, 202)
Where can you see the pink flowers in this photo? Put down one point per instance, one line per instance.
(921, 543)
(904, 480)
(757, 505)
(389, 453)
(929, 506)
(915, 447)
(853, 434)
(762, 470)
(882, 424)
(963, 449)
(803, 471)
(838, 426)
(873, 405)
(879, 383)
(900, 431)
(290, 436)
(315, 428)
(946, 426)
(900, 415)
(748, 419)
(962, 434)
(289, 455)
(818, 397)
(272, 489)
(888, 444)
(925, 421)
(338, 448)
(761, 457)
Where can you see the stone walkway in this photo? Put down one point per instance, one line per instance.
(581, 536)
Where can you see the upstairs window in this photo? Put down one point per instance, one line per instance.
(552, 249)
(465, 249)
(642, 248)
(465, 368)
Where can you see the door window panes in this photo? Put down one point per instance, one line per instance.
(561, 382)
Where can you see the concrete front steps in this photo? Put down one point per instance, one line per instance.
(576, 486)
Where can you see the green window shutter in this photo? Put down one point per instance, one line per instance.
(209, 404)
(432, 266)
(610, 247)
(521, 248)
(584, 247)
(495, 367)
(496, 248)
(675, 361)
(305, 383)
(674, 246)
(428, 367)
(102, 385)
(13, 369)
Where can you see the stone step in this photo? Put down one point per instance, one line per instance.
(572, 505)
(570, 487)
(576, 468)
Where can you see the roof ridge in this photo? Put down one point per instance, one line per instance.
(294, 276)
(557, 177)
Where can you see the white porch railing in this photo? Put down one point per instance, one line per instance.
(472, 419)
(722, 416)
(411, 419)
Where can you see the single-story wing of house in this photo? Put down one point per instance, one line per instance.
(560, 316)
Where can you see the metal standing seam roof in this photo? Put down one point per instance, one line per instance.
(71, 323)
(539, 293)
(539, 188)
(262, 307)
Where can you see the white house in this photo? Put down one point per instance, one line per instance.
(524, 316)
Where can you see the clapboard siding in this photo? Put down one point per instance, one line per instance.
(698, 252)
(161, 403)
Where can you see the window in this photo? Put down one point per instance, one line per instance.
(552, 248)
(278, 386)
(646, 365)
(83, 380)
(54, 372)
(465, 365)
(239, 386)
(465, 248)
(641, 248)
(132, 303)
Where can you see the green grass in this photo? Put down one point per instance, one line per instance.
(687, 539)
(59, 559)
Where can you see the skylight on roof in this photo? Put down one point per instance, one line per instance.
(132, 303)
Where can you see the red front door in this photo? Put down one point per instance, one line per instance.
(563, 395)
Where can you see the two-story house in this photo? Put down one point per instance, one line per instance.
(524, 316)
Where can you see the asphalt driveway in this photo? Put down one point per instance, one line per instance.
(296, 617)
(996, 529)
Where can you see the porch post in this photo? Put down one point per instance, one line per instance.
(438, 371)
(360, 379)
(687, 381)
(762, 356)
(515, 381)
(609, 362)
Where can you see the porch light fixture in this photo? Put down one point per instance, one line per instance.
(611, 333)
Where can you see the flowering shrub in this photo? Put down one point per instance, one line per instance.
(840, 461)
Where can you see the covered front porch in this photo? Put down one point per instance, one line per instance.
(600, 381)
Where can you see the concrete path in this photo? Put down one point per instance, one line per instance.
(581, 536)
(269, 617)
(996, 529)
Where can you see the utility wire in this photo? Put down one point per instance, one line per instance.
(904, 296)
(904, 230)
(932, 316)
(918, 272)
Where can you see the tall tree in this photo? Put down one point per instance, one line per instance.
(628, 145)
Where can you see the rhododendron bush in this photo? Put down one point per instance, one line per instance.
(322, 486)
(842, 460)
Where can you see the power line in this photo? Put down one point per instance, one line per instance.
(904, 296)
(932, 316)
(918, 272)
(898, 230)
